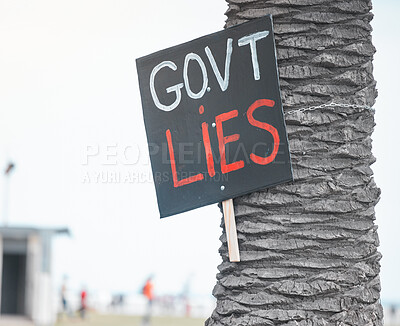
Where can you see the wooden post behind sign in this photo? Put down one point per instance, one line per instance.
(230, 228)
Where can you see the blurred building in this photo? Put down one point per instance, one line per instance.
(25, 282)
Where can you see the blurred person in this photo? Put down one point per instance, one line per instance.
(64, 302)
(83, 307)
(117, 302)
(185, 296)
(121, 300)
(393, 310)
(148, 292)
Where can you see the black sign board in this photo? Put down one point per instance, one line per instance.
(213, 115)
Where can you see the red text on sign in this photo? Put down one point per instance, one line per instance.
(223, 141)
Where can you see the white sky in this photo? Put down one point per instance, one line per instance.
(68, 83)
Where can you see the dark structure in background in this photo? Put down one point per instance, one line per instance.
(309, 249)
(25, 261)
(13, 277)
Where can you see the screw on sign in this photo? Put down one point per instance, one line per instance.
(214, 121)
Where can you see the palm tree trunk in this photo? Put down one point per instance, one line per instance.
(309, 248)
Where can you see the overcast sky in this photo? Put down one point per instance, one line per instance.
(68, 88)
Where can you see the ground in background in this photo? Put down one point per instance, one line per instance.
(122, 320)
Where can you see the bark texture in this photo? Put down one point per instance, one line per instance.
(309, 249)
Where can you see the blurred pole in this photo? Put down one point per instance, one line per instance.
(7, 174)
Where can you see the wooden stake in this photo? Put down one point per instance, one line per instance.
(230, 228)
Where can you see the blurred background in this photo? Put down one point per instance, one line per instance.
(76, 189)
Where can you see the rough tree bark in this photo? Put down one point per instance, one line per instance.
(309, 248)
